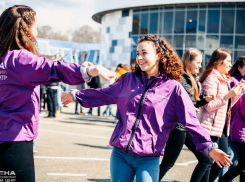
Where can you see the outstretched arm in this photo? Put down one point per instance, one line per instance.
(34, 70)
(186, 115)
(95, 97)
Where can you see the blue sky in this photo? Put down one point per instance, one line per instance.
(59, 14)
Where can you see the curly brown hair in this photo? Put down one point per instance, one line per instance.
(15, 29)
(169, 63)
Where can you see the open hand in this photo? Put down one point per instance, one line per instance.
(66, 98)
(239, 88)
(220, 158)
(99, 70)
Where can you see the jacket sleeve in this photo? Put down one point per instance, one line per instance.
(201, 102)
(186, 115)
(36, 70)
(210, 87)
(187, 88)
(101, 96)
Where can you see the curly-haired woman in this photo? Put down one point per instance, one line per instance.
(150, 102)
(21, 73)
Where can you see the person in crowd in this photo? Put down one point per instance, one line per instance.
(192, 61)
(150, 102)
(52, 99)
(120, 70)
(79, 87)
(237, 128)
(59, 93)
(94, 83)
(215, 115)
(22, 73)
(42, 92)
(109, 108)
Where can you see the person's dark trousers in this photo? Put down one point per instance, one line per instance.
(213, 169)
(91, 109)
(41, 95)
(240, 168)
(77, 104)
(172, 150)
(52, 101)
(18, 157)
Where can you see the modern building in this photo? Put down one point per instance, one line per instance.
(202, 24)
(72, 52)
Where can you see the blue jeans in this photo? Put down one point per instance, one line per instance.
(108, 108)
(125, 166)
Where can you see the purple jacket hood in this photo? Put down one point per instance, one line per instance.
(147, 116)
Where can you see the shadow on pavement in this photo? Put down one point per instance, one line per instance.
(168, 180)
(87, 122)
(100, 180)
(93, 146)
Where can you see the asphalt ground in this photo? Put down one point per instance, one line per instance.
(75, 148)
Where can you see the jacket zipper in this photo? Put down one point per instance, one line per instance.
(138, 114)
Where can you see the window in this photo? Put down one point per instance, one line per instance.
(108, 30)
(212, 42)
(227, 21)
(125, 13)
(168, 22)
(202, 20)
(136, 24)
(178, 41)
(240, 42)
(240, 21)
(144, 23)
(191, 22)
(114, 43)
(111, 49)
(213, 21)
(179, 22)
(190, 41)
(153, 23)
(226, 41)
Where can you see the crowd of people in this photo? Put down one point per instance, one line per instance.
(162, 103)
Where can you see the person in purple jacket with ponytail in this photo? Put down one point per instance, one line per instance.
(237, 127)
(150, 102)
(21, 73)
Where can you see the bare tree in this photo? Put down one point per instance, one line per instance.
(86, 34)
(48, 33)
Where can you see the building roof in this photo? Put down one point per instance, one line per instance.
(105, 6)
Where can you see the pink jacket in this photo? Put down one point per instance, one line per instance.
(213, 115)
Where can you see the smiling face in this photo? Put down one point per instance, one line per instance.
(148, 59)
(225, 66)
(195, 64)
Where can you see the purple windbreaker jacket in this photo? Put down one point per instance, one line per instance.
(237, 127)
(21, 73)
(147, 116)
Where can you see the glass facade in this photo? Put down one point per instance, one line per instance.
(205, 27)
